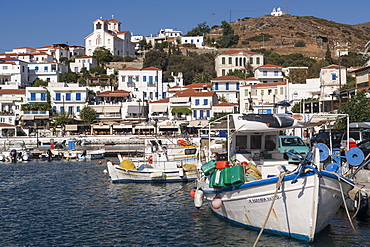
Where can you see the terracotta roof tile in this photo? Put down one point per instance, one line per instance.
(237, 51)
(165, 100)
(269, 66)
(227, 78)
(12, 91)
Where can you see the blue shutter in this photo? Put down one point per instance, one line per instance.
(33, 96)
(197, 102)
(216, 86)
(227, 86)
(68, 96)
(78, 108)
(43, 96)
(57, 96)
(195, 114)
(78, 96)
(208, 113)
(205, 102)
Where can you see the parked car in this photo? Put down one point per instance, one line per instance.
(355, 137)
(324, 137)
(287, 143)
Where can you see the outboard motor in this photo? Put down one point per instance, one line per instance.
(50, 154)
(83, 153)
(13, 155)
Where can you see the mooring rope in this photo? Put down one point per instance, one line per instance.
(278, 183)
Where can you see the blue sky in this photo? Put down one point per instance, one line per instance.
(36, 23)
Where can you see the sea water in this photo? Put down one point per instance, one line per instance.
(71, 203)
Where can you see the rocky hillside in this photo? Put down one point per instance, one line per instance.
(282, 33)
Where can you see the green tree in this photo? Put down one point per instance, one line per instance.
(69, 77)
(102, 56)
(228, 38)
(98, 70)
(88, 114)
(328, 57)
(202, 77)
(117, 58)
(158, 59)
(239, 73)
(128, 59)
(61, 119)
(85, 73)
(358, 109)
(200, 30)
(39, 83)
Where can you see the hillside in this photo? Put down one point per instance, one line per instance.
(280, 34)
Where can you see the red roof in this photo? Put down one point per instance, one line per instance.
(269, 66)
(122, 32)
(224, 104)
(198, 85)
(165, 100)
(129, 68)
(227, 78)
(7, 125)
(151, 68)
(192, 92)
(114, 93)
(114, 20)
(237, 51)
(12, 91)
(268, 84)
(333, 66)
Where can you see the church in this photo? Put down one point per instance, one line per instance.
(108, 34)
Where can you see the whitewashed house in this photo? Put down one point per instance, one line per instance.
(13, 73)
(144, 84)
(269, 73)
(198, 41)
(227, 87)
(108, 34)
(165, 35)
(87, 62)
(11, 101)
(231, 60)
(49, 72)
(332, 78)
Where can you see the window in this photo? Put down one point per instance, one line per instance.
(276, 73)
(5, 67)
(57, 97)
(197, 102)
(246, 92)
(137, 78)
(216, 86)
(281, 90)
(54, 109)
(223, 60)
(227, 86)
(62, 109)
(205, 101)
(264, 73)
(236, 61)
(123, 78)
(208, 113)
(275, 91)
(36, 68)
(46, 69)
(150, 80)
(33, 96)
(78, 108)
(237, 86)
(70, 109)
(98, 25)
(156, 78)
(201, 114)
(151, 95)
(223, 72)
(195, 114)
(230, 60)
(144, 78)
(257, 60)
(43, 96)
(256, 142)
(251, 60)
(333, 77)
(76, 69)
(130, 80)
(68, 96)
(78, 96)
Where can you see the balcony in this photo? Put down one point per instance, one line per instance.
(38, 99)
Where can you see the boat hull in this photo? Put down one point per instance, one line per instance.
(120, 175)
(300, 210)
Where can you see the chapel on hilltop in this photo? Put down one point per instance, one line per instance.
(108, 34)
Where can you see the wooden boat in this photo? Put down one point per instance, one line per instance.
(265, 192)
(159, 165)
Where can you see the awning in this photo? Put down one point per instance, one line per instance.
(159, 108)
(122, 126)
(41, 117)
(133, 109)
(144, 127)
(101, 127)
(71, 127)
(108, 109)
(169, 127)
(28, 117)
(179, 100)
(198, 123)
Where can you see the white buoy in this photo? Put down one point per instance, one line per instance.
(105, 171)
(198, 199)
(216, 202)
(181, 172)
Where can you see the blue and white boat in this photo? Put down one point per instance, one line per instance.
(258, 189)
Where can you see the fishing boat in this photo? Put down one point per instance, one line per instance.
(252, 185)
(15, 151)
(91, 154)
(161, 164)
(51, 154)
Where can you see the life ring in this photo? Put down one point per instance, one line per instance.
(150, 159)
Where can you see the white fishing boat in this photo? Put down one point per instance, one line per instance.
(159, 165)
(91, 154)
(256, 188)
(15, 151)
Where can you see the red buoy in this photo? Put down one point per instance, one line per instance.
(192, 193)
(216, 202)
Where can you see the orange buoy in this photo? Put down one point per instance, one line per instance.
(192, 193)
(150, 159)
(100, 162)
(85, 171)
(216, 202)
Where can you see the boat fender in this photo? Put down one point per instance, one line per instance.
(198, 198)
(192, 193)
(150, 159)
(181, 171)
(216, 202)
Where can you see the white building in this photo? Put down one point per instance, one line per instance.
(269, 73)
(108, 34)
(332, 78)
(11, 101)
(231, 60)
(165, 35)
(49, 72)
(198, 41)
(277, 12)
(69, 98)
(135, 39)
(144, 84)
(13, 73)
(87, 62)
(227, 87)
